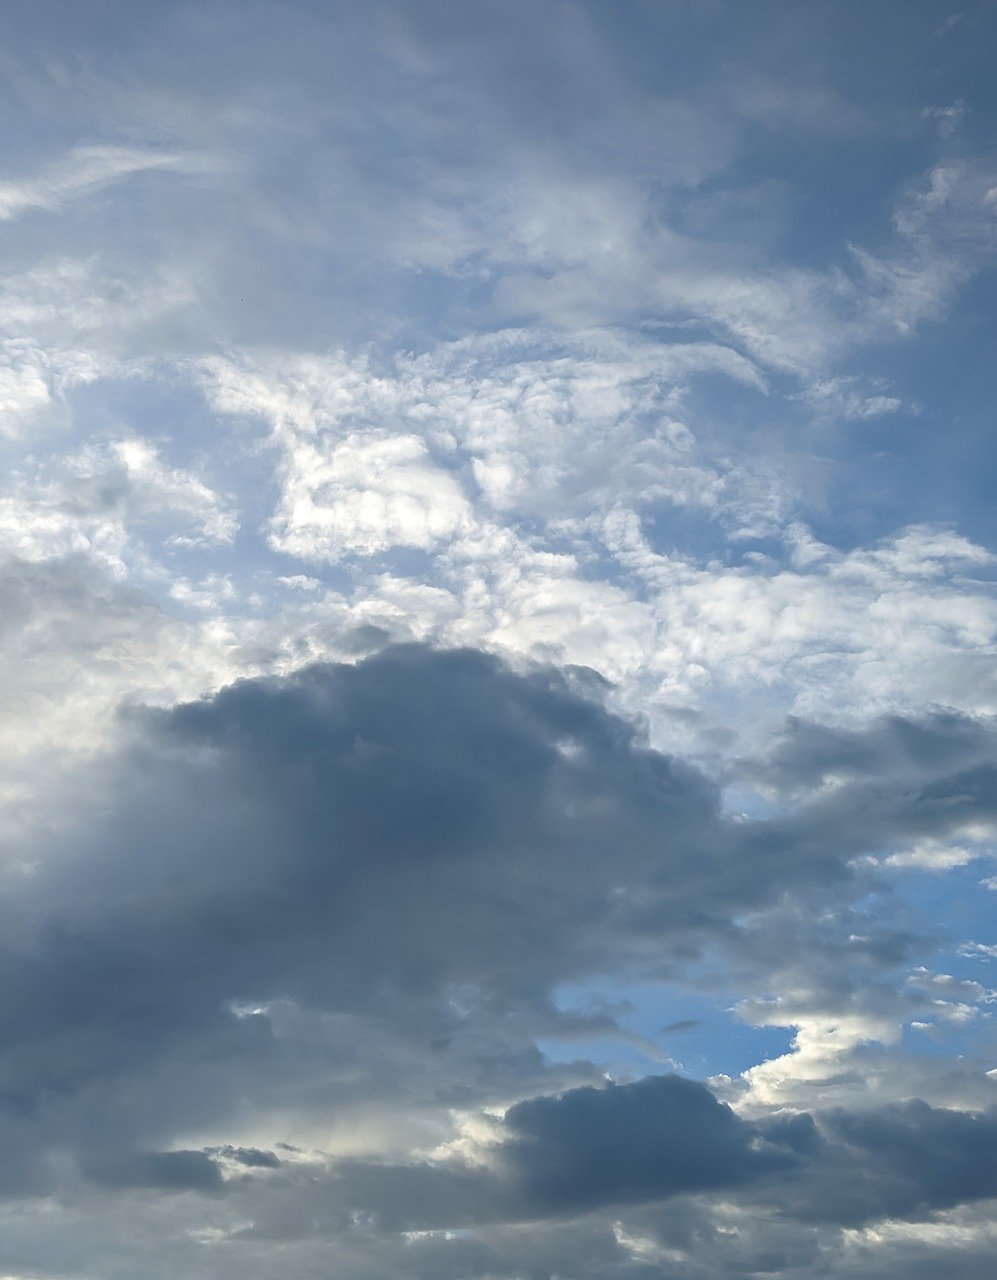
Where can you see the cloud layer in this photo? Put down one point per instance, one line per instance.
(497, 636)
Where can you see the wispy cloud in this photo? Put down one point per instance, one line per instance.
(83, 171)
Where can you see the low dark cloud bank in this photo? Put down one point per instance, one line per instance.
(413, 851)
(592, 1149)
(657, 1137)
(387, 841)
(808, 754)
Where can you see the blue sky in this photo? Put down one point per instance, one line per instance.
(498, 613)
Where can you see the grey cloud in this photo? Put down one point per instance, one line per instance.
(424, 840)
(577, 1152)
(363, 882)
(807, 754)
(683, 1024)
(338, 908)
(424, 843)
(897, 781)
(904, 1161)
(431, 162)
(926, 1158)
(158, 1170)
(589, 1150)
(660, 1136)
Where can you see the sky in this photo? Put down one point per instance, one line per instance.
(498, 601)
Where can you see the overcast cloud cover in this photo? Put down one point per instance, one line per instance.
(498, 765)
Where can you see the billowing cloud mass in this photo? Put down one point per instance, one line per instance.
(497, 641)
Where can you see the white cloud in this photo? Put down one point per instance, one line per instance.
(978, 950)
(934, 855)
(545, 425)
(948, 118)
(528, 473)
(101, 500)
(76, 644)
(84, 170)
(68, 323)
(945, 985)
(364, 494)
(849, 399)
(153, 487)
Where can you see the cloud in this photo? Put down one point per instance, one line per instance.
(581, 1151)
(102, 500)
(948, 118)
(159, 1170)
(557, 469)
(77, 641)
(423, 842)
(808, 755)
(912, 1157)
(589, 1150)
(365, 495)
(534, 336)
(540, 424)
(84, 170)
(359, 840)
(67, 323)
(657, 1137)
(355, 863)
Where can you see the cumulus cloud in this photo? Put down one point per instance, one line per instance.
(421, 831)
(421, 790)
(656, 1137)
(664, 1136)
(808, 755)
(418, 849)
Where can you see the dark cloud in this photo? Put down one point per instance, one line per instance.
(807, 755)
(902, 1161)
(914, 1158)
(580, 1151)
(418, 840)
(359, 887)
(884, 788)
(657, 1137)
(157, 1170)
(593, 1149)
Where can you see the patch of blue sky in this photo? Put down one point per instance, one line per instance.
(931, 1037)
(664, 1028)
(954, 907)
(931, 461)
(688, 531)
